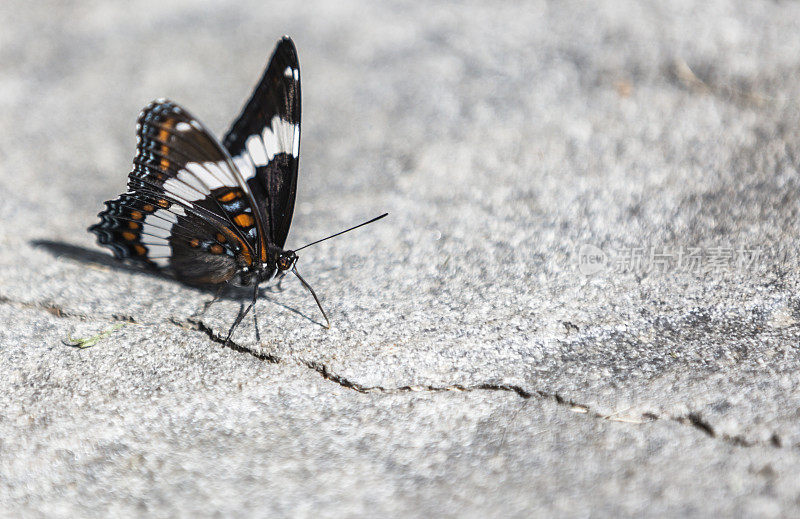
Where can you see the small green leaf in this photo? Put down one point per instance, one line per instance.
(88, 342)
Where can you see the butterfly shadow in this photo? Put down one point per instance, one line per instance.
(92, 257)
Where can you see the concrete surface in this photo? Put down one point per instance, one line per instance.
(503, 343)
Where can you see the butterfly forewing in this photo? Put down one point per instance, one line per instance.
(264, 141)
(178, 155)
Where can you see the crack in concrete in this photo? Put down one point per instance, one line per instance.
(200, 326)
(342, 381)
(692, 419)
(60, 312)
(695, 420)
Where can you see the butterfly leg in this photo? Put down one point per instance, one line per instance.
(278, 287)
(255, 319)
(243, 314)
(216, 298)
(308, 287)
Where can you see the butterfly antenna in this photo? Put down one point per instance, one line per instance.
(332, 236)
(308, 287)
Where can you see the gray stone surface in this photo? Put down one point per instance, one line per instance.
(473, 369)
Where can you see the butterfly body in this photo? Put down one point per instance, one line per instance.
(207, 212)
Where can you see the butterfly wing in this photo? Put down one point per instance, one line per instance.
(187, 210)
(264, 141)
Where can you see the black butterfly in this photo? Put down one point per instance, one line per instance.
(211, 213)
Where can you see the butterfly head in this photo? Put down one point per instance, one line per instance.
(286, 260)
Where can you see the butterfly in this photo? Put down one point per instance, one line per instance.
(210, 212)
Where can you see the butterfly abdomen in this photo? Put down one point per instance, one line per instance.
(204, 263)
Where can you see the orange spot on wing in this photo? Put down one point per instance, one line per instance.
(163, 133)
(194, 243)
(263, 249)
(163, 136)
(243, 220)
(133, 225)
(163, 203)
(220, 238)
(140, 250)
(216, 248)
(230, 195)
(147, 208)
(137, 215)
(130, 236)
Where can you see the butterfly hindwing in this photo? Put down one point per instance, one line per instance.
(158, 231)
(264, 141)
